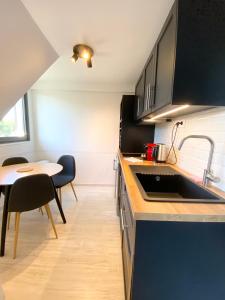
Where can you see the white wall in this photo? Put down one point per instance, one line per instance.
(24, 149)
(25, 53)
(84, 124)
(194, 153)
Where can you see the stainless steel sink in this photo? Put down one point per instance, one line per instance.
(164, 184)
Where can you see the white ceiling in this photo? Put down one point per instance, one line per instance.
(121, 32)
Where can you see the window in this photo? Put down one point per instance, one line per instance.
(14, 126)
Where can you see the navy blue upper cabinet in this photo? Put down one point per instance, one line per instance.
(165, 64)
(139, 92)
(200, 60)
(187, 63)
(150, 82)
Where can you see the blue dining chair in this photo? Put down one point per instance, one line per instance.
(67, 175)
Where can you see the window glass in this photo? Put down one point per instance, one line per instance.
(14, 125)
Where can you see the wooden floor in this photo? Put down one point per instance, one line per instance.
(83, 264)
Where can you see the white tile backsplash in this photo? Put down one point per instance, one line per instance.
(193, 156)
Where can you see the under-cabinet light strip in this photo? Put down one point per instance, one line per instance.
(167, 113)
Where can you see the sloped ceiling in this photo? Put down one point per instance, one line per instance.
(25, 53)
(122, 33)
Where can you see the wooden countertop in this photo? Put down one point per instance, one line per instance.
(168, 211)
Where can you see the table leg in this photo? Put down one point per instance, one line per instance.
(4, 220)
(60, 207)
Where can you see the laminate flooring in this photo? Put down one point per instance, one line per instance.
(85, 263)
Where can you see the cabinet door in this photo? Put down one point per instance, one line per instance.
(139, 92)
(165, 64)
(149, 83)
(126, 265)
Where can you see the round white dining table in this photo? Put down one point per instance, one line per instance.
(9, 174)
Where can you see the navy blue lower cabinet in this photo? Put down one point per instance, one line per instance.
(171, 260)
(178, 261)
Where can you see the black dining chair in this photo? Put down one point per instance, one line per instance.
(14, 161)
(8, 162)
(67, 175)
(29, 193)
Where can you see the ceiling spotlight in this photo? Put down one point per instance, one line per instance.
(83, 51)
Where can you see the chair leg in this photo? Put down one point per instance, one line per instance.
(16, 233)
(73, 191)
(41, 210)
(48, 211)
(9, 217)
(47, 214)
(60, 195)
(15, 222)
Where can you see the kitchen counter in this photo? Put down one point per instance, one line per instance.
(169, 211)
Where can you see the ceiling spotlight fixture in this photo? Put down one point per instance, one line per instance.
(83, 51)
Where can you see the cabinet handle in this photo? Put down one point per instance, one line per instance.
(153, 95)
(148, 97)
(121, 217)
(138, 108)
(149, 102)
(123, 224)
(146, 100)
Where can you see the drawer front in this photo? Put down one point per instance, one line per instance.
(128, 213)
(128, 224)
(125, 204)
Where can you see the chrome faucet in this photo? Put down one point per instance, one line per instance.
(208, 173)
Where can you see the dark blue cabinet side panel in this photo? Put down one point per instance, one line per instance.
(179, 261)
